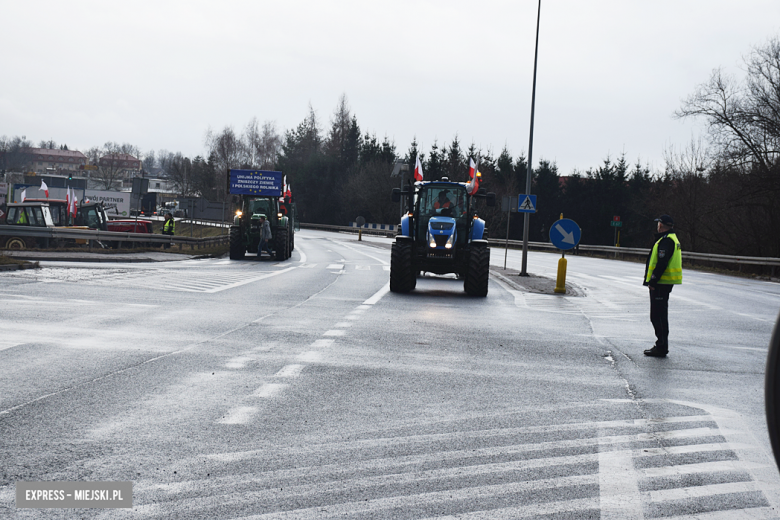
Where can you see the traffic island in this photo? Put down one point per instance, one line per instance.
(8, 263)
(534, 283)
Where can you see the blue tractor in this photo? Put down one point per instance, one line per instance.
(441, 233)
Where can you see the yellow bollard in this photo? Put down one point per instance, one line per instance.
(360, 235)
(560, 282)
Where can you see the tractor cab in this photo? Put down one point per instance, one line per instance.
(34, 214)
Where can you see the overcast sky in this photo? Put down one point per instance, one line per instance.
(159, 74)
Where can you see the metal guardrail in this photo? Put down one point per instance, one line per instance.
(618, 252)
(109, 236)
(180, 240)
(643, 252)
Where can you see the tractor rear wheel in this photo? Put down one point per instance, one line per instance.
(16, 243)
(237, 249)
(402, 276)
(281, 246)
(476, 282)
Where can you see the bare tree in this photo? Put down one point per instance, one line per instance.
(270, 145)
(149, 160)
(743, 119)
(226, 149)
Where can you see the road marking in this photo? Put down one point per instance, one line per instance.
(334, 332)
(385, 267)
(307, 266)
(10, 345)
(289, 371)
(619, 496)
(239, 415)
(343, 324)
(706, 491)
(363, 267)
(239, 362)
(310, 357)
(351, 317)
(269, 390)
(303, 255)
(337, 267)
(702, 467)
(377, 296)
(320, 343)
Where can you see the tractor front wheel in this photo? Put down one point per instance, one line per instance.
(237, 249)
(402, 277)
(281, 246)
(476, 282)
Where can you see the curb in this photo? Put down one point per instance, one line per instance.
(18, 267)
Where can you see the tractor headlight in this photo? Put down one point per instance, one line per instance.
(431, 241)
(239, 213)
(450, 242)
(279, 215)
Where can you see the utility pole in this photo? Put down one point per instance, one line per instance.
(527, 217)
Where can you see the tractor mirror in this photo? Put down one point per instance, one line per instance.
(396, 194)
(490, 199)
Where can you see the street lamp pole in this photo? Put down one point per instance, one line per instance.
(527, 217)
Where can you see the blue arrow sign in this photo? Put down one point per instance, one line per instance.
(526, 203)
(565, 234)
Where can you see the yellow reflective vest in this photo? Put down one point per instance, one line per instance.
(169, 228)
(673, 272)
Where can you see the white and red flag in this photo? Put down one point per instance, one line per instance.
(418, 173)
(288, 192)
(44, 188)
(72, 208)
(67, 197)
(474, 174)
(24, 194)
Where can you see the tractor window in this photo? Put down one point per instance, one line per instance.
(264, 207)
(17, 216)
(443, 201)
(93, 221)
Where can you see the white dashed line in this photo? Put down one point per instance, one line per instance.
(239, 362)
(290, 371)
(269, 390)
(320, 343)
(343, 325)
(334, 332)
(336, 267)
(310, 357)
(378, 295)
(239, 415)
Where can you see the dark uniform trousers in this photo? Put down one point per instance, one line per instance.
(659, 314)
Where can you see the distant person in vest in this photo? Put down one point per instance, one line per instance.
(169, 227)
(662, 272)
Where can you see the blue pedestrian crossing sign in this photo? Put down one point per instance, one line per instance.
(565, 234)
(526, 203)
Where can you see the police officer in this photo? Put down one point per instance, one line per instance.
(662, 272)
(169, 227)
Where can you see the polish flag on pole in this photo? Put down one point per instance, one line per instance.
(44, 188)
(72, 208)
(67, 197)
(418, 173)
(474, 174)
(24, 194)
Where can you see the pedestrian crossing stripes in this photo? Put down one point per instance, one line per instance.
(680, 466)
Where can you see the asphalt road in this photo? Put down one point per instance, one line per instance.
(304, 389)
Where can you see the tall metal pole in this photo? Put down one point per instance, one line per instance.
(527, 217)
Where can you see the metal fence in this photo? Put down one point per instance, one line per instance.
(54, 234)
(96, 237)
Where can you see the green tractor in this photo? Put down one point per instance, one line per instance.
(260, 193)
